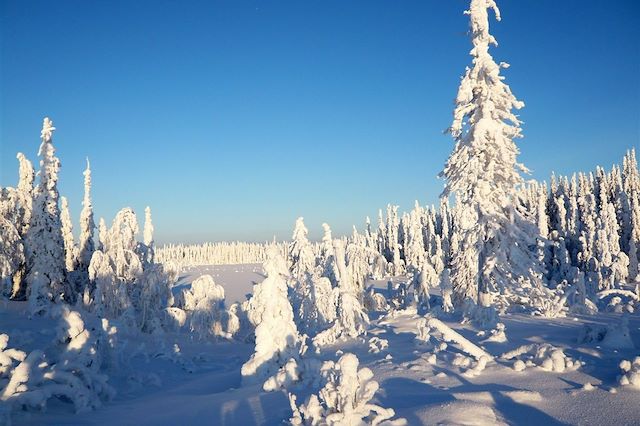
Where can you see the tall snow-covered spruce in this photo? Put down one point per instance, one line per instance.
(46, 277)
(483, 173)
(87, 224)
(67, 235)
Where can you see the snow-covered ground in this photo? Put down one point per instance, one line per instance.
(424, 382)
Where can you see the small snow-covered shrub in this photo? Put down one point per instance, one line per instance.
(544, 356)
(630, 373)
(303, 373)
(344, 399)
(498, 334)
(377, 345)
(8, 357)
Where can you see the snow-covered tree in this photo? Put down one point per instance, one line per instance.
(464, 258)
(87, 225)
(311, 295)
(204, 304)
(300, 253)
(147, 237)
(414, 244)
(484, 173)
(46, 277)
(326, 260)
(351, 320)
(277, 338)
(115, 268)
(11, 248)
(21, 222)
(67, 235)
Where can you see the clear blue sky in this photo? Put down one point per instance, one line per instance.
(231, 118)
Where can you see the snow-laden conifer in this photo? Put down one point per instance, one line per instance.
(277, 339)
(345, 398)
(86, 245)
(351, 320)
(46, 278)
(300, 253)
(67, 235)
(484, 173)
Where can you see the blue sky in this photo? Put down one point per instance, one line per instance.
(232, 118)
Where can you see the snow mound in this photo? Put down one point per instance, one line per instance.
(631, 373)
(544, 356)
(613, 336)
(377, 345)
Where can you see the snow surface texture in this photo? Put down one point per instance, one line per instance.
(423, 384)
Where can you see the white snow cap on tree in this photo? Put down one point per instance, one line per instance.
(277, 338)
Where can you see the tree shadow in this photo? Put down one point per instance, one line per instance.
(418, 394)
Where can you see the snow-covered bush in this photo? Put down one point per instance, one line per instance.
(204, 305)
(544, 356)
(630, 373)
(79, 363)
(73, 374)
(344, 399)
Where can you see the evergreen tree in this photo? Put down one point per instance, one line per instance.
(67, 235)
(11, 248)
(300, 254)
(46, 277)
(277, 338)
(24, 204)
(87, 225)
(484, 173)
